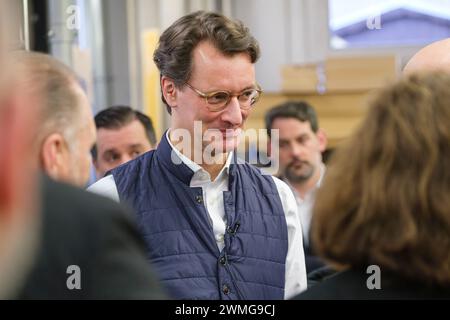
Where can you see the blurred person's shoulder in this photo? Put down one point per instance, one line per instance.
(72, 198)
(93, 235)
(369, 284)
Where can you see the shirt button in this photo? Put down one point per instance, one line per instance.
(220, 238)
(226, 289)
(199, 199)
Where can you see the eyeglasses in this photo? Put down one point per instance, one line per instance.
(218, 100)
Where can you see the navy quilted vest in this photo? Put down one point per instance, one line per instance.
(180, 240)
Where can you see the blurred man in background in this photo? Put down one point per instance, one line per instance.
(122, 135)
(301, 143)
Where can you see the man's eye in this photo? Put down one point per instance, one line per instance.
(135, 154)
(283, 144)
(247, 95)
(112, 158)
(218, 97)
(250, 95)
(303, 139)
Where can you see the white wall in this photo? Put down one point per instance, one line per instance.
(267, 20)
(116, 49)
(289, 31)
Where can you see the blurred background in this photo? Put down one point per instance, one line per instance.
(330, 53)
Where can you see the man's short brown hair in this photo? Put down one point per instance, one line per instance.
(173, 56)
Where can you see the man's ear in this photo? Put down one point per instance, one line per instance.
(94, 162)
(97, 169)
(323, 140)
(269, 147)
(52, 155)
(169, 91)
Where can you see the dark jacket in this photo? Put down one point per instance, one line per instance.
(353, 285)
(180, 239)
(95, 234)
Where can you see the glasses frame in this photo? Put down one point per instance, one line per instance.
(208, 95)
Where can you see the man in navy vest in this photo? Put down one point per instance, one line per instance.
(215, 227)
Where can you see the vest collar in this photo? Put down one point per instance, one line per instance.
(169, 158)
(172, 162)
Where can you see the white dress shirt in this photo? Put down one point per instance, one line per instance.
(305, 205)
(213, 195)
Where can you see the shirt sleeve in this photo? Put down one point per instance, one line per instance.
(106, 187)
(296, 280)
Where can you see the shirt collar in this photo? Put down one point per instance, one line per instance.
(323, 168)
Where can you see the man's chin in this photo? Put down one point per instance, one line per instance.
(299, 176)
(224, 145)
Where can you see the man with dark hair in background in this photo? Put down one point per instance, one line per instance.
(301, 143)
(122, 135)
(216, 227)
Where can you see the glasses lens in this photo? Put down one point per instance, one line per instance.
(218, 98)
(249, 97)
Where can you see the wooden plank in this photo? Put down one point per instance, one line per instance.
(336, 129)
(330, 105)
(340, 74)
(338, 114)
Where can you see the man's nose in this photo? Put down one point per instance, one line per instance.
(297, 150)
(233, 112)
(125, 158)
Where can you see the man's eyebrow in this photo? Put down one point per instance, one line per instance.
(249, 87)
(253, 86)
(302, 136)
(136, 145)
(110, 151)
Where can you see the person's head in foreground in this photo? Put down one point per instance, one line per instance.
(67, 130)
(434, 57)
(385, 200)
(19, 208)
